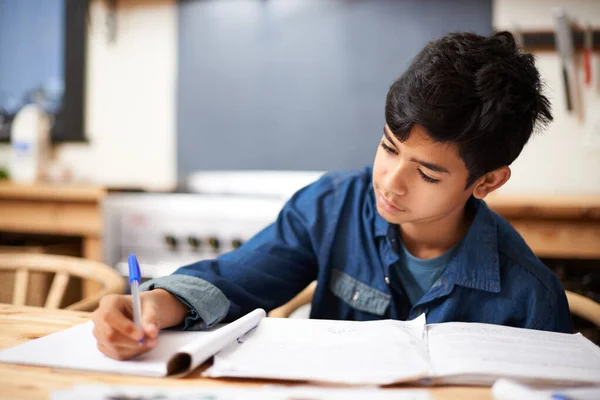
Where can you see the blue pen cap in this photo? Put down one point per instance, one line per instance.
(134, 269)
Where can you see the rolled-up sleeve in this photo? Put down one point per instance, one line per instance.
(206, 303)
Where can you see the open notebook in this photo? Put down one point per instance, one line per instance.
(344, 352)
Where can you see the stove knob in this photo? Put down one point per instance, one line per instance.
(214, 243)
(235, 243)
(194, 242)
(171, 242)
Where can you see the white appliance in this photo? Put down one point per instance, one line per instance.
(218, 212)
(30, 138)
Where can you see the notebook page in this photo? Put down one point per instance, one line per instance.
(75, 348)
(499, 351)
(348, 352)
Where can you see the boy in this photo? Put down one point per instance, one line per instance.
(407, 236)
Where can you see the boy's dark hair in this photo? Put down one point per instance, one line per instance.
(481, 93)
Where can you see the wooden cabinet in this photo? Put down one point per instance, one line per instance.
(554, 226)
(70, 210)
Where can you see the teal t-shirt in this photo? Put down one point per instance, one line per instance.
(417, 275)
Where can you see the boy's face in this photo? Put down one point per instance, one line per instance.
(418, 181)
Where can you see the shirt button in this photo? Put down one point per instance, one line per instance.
(387, 280)
(356, 295)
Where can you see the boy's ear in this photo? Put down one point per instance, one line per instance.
(490, 182)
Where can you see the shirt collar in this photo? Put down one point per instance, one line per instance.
(475, 263)
(381, 225)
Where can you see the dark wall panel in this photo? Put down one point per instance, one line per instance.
(298, 84)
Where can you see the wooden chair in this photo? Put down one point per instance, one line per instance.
(63, 267)
(584, 307)
(304, 297)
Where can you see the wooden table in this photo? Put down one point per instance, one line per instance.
(56, 209)
(20, 324)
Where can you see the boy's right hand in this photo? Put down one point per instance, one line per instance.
(116, 335)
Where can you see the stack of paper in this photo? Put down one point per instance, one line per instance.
(104, 392)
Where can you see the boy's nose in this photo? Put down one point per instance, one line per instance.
(395, 182)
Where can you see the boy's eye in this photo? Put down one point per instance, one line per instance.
(427, 178)
(388, 148)
(393, 151)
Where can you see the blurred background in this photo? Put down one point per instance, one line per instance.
(172, 87)
(177, 129)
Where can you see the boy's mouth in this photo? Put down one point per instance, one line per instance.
(387, 205)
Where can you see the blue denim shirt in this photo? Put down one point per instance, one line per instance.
(331, 231)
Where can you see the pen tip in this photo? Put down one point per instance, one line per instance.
(134, 268)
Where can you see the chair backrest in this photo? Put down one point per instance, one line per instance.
(301, 299)
(584, 307)
(63, 267)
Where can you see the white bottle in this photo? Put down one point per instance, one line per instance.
(30, 138)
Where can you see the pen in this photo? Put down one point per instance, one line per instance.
(134, 282)
(504, 389)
